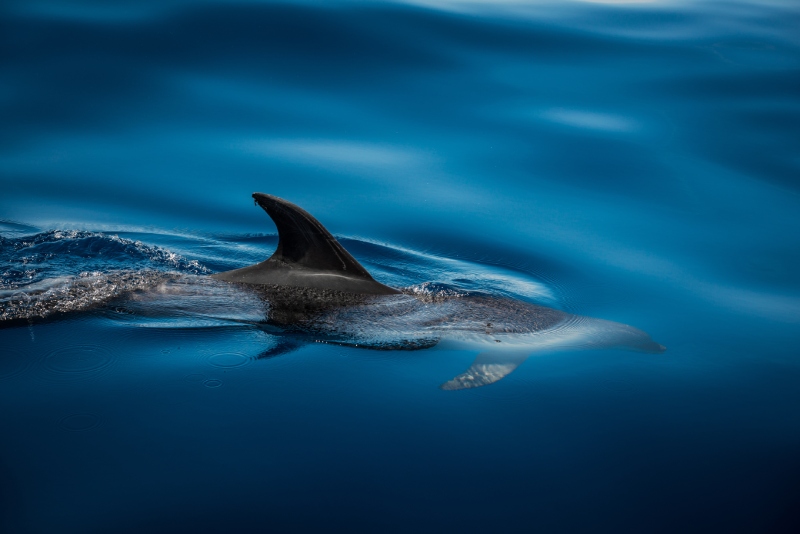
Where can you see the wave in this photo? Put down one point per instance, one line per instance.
(61, 271)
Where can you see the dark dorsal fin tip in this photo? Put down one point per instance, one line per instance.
(303, 241)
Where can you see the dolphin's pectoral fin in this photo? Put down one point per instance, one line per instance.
(488, 368)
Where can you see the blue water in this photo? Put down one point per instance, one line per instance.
(631, 161)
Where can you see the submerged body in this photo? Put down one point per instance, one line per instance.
(506, 331)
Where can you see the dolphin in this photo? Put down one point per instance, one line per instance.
(312, 290)
(314, 287)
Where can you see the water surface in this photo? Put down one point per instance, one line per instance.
(630, 161)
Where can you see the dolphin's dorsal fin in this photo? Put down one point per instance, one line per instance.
(303, 241)
(308, 256)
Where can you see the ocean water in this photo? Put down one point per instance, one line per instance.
(635, 162)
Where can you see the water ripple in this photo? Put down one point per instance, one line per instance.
(228, 359)
(78, 362)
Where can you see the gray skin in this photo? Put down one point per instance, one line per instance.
(307, 256)
(313, 287)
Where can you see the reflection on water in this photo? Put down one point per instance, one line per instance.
(634, 162)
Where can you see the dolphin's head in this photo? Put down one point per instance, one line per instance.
(641, 341)
(604, 333)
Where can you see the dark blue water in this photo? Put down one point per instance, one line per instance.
(636, 162)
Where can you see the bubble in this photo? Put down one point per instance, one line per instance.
(80, 422)
(78, 362)
(228, 359)
(212, 383)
